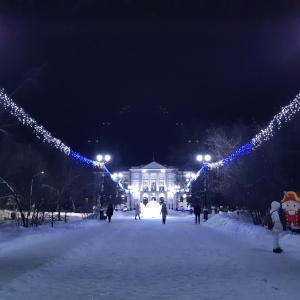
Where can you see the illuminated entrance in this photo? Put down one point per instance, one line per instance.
(151, 209)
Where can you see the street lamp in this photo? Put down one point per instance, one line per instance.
(31, 190)
(177, 189)
(118, 178)
(103, 159)
(189, 177)
(205, 159)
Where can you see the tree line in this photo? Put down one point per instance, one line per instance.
(36, 178)
(253, 181)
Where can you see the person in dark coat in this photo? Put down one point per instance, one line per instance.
(137, 211)
(109, 212)
(164, 212)
(197, 212)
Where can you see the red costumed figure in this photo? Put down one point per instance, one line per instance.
(291, 205)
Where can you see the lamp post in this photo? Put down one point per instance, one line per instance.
(171, 196)
(205, 159)
(189, 175)
(130, 187)
(30, 197)
(177, 188)
(102, 159)
(118, 178)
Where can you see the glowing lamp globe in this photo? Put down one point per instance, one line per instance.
(199, 157)
(207, 157)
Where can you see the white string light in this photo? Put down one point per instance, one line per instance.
(285, 115)
(39, 130)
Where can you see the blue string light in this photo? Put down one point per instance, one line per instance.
(243, 150)
(285, 115)
(81, 159)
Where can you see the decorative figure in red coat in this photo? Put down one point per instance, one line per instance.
(291, 205)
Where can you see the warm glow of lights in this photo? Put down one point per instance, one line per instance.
(151, 209)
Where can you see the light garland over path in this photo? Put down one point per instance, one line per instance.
(285, 115)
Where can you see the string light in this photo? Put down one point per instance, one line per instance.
(39, 130)
(285, 115)
(83, 160)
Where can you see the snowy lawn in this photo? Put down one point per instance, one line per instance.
(226, 257)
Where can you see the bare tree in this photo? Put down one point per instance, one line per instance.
(225, 181)
(17, 198)
(254, 180)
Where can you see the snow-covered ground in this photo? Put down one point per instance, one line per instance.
(226, 257)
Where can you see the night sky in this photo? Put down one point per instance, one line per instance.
(125, 75)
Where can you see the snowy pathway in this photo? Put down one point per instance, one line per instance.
(144, 259)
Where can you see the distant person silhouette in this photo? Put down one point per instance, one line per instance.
(137, 211)
(197, 212)
(164, 212)
(109, 212)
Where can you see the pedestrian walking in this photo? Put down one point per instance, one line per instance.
(101, 211)
(109, 212)
(164, 212)
(197, 212)
(137, 211)
(277, 227)
(95, 211)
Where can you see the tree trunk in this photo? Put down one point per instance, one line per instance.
(17, 201)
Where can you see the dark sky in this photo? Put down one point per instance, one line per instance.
(143, 68)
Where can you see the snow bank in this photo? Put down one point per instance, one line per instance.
(233, 222)
(241, 224)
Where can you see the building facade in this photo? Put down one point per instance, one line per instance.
(157, 182)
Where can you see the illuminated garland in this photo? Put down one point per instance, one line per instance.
(286, 114)
(23, 117)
